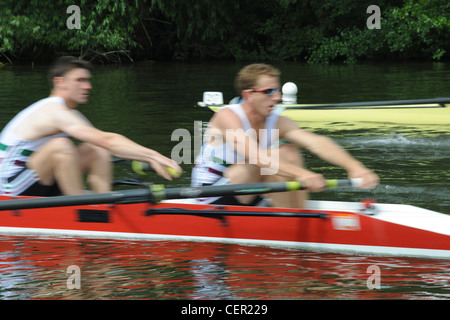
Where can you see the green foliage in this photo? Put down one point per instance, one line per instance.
(35, 29)
(316, 31)
(418, 29)
(200, 28)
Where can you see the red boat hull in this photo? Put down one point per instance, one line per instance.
(339, 231)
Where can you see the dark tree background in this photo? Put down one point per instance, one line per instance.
(314, 31)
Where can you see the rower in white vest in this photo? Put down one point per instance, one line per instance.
(251, 142)
(37, 158)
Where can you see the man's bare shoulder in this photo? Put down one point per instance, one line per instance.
(52, 117)
(225, 118)
(54, 106)
(59, 112)
(41, 122)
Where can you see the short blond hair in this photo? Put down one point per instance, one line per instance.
(249, 75)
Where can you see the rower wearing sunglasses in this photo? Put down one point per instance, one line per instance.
(250, 142)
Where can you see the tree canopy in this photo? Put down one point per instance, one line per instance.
(314, 31)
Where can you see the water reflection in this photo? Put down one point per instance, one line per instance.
(184, 270)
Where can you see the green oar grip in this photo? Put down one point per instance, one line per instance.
(293, 185)
(142, 168)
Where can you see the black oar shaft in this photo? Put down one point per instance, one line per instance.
(249, 188)
(157, 193)
(225, 190)
(126, 196)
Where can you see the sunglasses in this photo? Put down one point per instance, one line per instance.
(269, 91)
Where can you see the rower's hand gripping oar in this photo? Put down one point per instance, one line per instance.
(157, 193)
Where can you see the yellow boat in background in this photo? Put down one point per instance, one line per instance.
(425, 114)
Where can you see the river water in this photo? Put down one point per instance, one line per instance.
(147, 101)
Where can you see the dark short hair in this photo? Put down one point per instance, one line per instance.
(65, 64)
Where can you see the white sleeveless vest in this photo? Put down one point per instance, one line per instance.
(15, 151)
(213, 160)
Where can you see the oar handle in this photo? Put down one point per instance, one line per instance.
(141, 168)
(342, 183)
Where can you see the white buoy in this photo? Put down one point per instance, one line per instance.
(289, 92)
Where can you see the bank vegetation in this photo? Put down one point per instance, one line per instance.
(313, 31)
